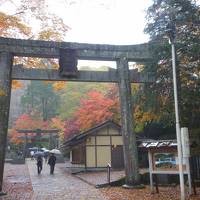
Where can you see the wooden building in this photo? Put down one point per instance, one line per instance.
(97, 147)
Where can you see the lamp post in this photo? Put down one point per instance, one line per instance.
(172, 38)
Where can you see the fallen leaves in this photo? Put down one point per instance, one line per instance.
(165, 193)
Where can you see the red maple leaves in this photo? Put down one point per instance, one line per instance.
(94, 110)
(95, 107)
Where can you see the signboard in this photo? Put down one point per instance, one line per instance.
(164, 161)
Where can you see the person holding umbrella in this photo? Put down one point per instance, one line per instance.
(32, 155)
(52, 162)
(39, 163)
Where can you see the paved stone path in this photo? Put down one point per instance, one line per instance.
(60, 186)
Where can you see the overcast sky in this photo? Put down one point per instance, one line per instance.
(99, 21)
(103, 21)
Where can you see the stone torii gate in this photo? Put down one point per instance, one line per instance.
(68, 53)
(38, 134)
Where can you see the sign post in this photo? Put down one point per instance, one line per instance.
(186, 154)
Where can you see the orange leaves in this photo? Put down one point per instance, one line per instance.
(93, 110)
(49, 34)
(39, 63)
(142, 116)
(11, 25)
(58, 124)
(16, 84)
(149, 116)
(24, 122)
(2, 92)
(28, 122)
(14, 136)
(59, 85)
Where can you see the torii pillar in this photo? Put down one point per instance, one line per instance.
(129, 137)
(5, 90)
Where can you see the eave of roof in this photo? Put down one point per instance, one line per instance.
(77, 139)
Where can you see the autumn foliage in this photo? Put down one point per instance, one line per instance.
(12, 26)
(72, 127)
(57, 123)
(23, 122)
(28, 122)
(95, 109)
(16, 84)
(20, 25)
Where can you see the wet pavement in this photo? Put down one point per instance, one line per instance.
(61, 185)
(17, 183)
(64, 186)
(101, 177)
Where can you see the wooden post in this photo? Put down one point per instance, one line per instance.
(5, 89)
(189, 175)
(25, 145)
(156, 182)
(129, 137)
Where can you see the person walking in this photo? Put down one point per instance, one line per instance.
(32, 155)
(39, 164)
(52, 162)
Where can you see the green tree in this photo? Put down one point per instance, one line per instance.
(41, 98)
(184, 14)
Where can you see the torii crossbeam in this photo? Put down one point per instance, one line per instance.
(38, 134)
(68, 53)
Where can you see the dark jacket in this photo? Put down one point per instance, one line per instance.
(39, 160)
(52, 160)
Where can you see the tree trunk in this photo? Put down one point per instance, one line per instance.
(129, 137)
(5, 89)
